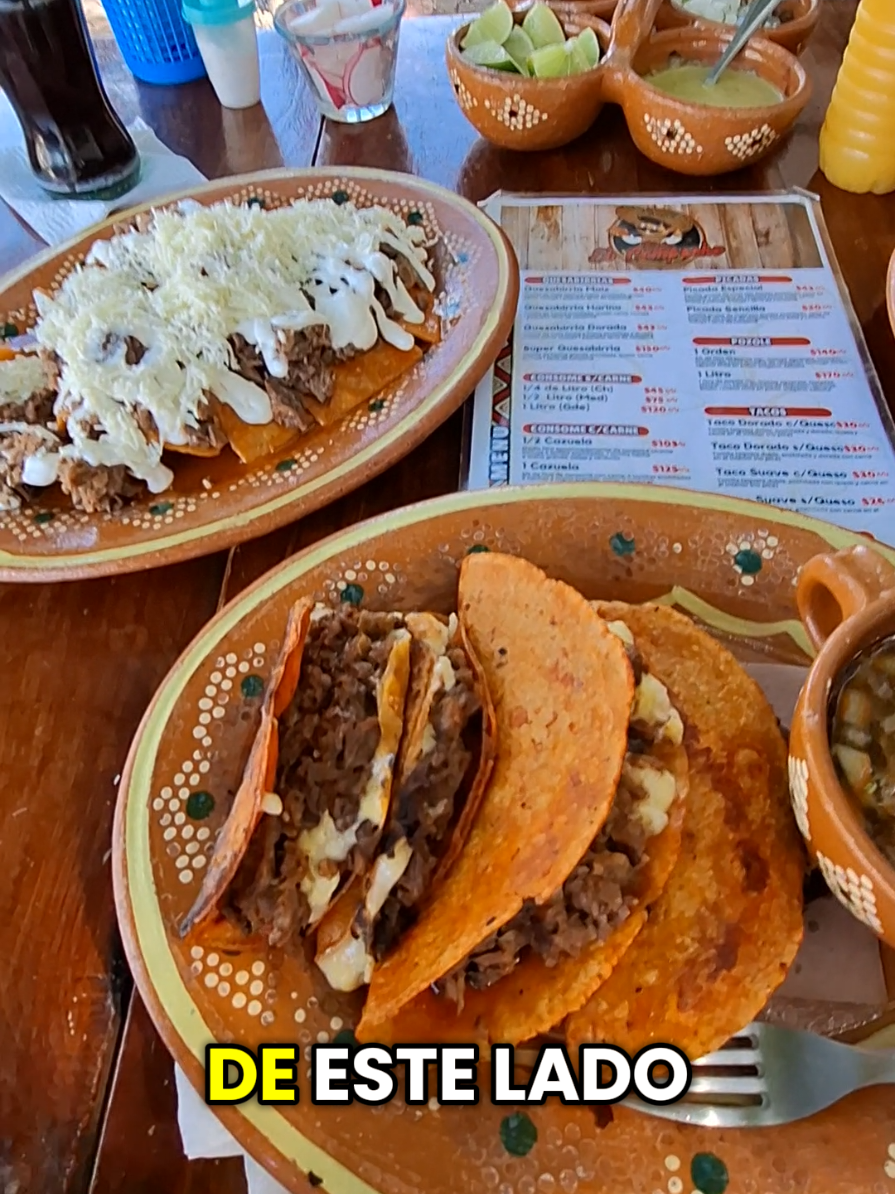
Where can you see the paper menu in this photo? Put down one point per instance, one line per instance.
(704, 342)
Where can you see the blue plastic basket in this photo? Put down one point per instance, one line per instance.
(156, 43)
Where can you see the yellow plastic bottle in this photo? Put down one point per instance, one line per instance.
(857, 141)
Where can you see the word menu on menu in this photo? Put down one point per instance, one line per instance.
(703, 343)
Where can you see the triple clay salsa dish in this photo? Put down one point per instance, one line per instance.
(203, 328)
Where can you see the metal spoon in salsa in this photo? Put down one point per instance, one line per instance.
(862, 739)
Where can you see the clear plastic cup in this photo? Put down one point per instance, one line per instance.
(347, 51)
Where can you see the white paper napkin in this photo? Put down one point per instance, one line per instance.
(57, 220)
(839, 960)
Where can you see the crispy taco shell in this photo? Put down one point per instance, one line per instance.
(315, 794)
(722, 935)
(259, 775)
(562, 688)
(444, 764)
(548, 962)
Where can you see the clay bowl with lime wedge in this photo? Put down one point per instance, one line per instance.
(696, 137)
(798, 20)
(521, 112)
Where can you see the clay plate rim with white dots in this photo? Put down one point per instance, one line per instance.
(220, 502)
(625, 542)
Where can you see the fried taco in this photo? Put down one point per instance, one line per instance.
(563, 688)
(526, 976)
(316, 791)
(720, 938)
(444, 764)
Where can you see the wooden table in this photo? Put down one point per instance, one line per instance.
(86, 1088)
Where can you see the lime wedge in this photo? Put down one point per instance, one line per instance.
(490, 54)
(494, 25)
(587, 40)
(550, 62)
(518, 46)
(542, 27)
(578, 62)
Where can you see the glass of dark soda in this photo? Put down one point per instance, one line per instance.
(76, 143)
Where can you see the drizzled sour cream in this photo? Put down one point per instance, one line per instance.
(181, 287)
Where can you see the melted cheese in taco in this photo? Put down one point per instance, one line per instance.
(605, 886)
(338, 739)
(440, 763)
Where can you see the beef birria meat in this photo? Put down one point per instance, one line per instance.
(338, 738)
(443, 767)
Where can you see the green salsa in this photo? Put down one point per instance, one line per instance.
(735, 88)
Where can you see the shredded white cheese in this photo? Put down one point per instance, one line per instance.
(21, 377)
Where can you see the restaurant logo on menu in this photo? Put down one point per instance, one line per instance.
(655, 238)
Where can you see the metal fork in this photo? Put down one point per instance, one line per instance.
(768, 1075)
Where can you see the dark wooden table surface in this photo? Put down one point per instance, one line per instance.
(86, 1088)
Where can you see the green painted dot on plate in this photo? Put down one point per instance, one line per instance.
(748, 561)
(476, 548)
(161, 508)
(518, 1134)
(199, 805)
(256, 202)
(377, 404)
(44, 517)
(284, 466)
(709, 1173)
(8, 331)
(621, 544)
(345, 1036)
(340, 197)
(251, 686)
(352, 595)
(415, 217)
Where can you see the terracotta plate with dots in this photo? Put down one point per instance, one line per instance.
(729, 564)
(216, 502)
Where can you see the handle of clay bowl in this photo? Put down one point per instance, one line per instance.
(835, 587)
(632, 23)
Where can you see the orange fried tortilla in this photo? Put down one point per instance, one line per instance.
(321, 864)
(722, 935)
(535, 996)
(361, 378)
(562, 688)
(251, 441)
(258, 777)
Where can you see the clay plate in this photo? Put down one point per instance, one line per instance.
(730, 563)
(216, 503)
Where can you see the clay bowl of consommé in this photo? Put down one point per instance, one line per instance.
(794, 22)
(676, 121)
(842, 739)
(522, 112)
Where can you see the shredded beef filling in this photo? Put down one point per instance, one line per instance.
(37, 409)
(97, 488)
(593, 901)
(327, 738)
(430, 799)
(310, 358)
